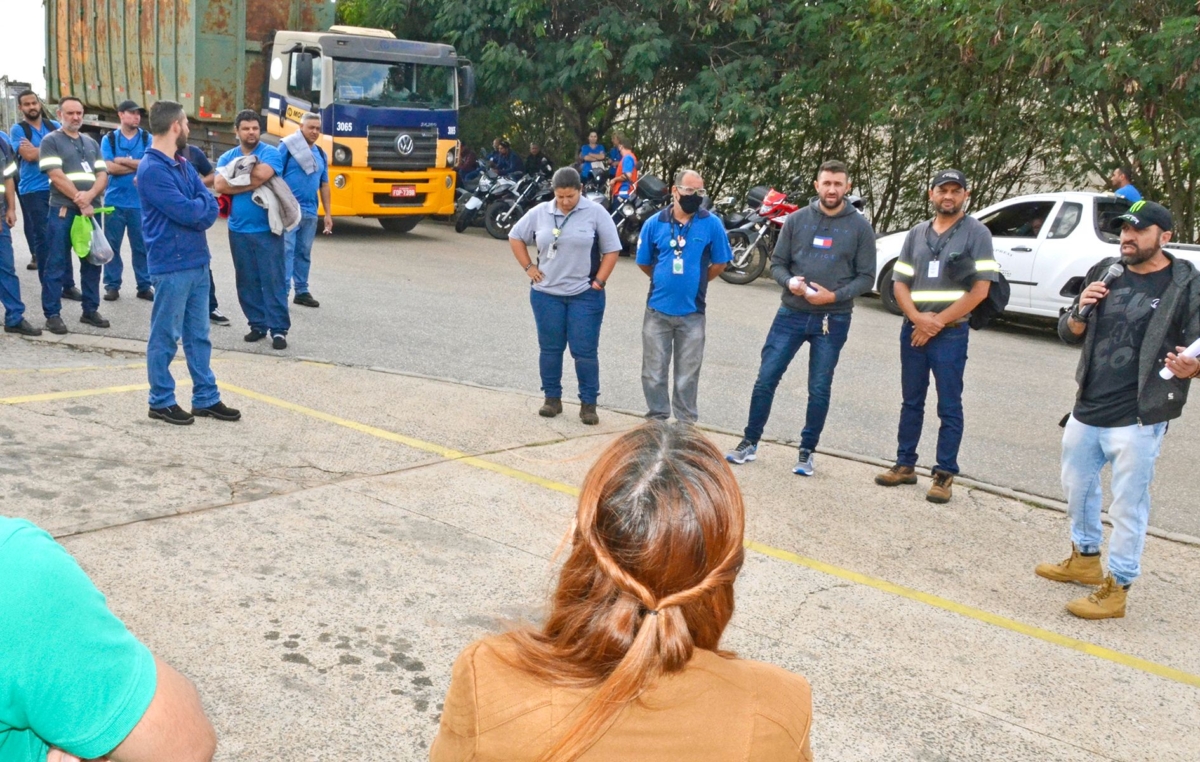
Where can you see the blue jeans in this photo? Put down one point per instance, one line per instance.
(180, 311)
(298, 254)
(35, 208)
(10, 284)
(569, 321)
(789, 331)
(55, 267)
(259, 270)
(1132, 451)
(122, 220)
(945, 356)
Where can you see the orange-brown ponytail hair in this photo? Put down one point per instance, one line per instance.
(656, 548)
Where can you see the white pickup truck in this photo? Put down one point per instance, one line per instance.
(1045, 243)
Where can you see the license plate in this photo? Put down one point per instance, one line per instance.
(474, 203)
(404, 191)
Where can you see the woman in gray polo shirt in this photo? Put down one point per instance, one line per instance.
(577, 247)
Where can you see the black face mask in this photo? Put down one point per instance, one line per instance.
(690, 204)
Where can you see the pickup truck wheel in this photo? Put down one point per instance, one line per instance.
(886, 295)
(399, 224)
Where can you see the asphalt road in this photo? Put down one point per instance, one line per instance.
(456, 306)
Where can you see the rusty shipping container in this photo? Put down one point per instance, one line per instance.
(210, 55)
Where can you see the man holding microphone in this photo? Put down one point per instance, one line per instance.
(1133, 323)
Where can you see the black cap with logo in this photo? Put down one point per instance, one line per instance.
(1142, 215)
(129, 106)
(949, 176)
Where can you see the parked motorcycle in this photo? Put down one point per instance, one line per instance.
(648, 197)
(501, 214)
(490, 187)
(753, 240)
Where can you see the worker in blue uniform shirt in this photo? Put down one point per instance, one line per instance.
(123, 149)
(10, 284)
(306, 171)
(682, 248)
(33, 188)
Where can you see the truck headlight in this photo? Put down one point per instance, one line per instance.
(451, 158)
(449, 181)
(339, 181)
(342, 155)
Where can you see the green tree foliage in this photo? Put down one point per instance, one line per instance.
(1021, 95)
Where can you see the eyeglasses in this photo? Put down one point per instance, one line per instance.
(686, 191)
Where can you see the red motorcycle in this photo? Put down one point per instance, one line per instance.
(753, 233)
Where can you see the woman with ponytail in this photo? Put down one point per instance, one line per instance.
(627, 665)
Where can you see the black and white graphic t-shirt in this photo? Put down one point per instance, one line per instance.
(1109, 397)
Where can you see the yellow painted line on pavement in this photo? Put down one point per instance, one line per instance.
(82, 368)
(391, 436)
(1012, 625)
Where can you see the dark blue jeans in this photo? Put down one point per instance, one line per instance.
(35, 207)
(55, 267)
(944, 356)
(259, 268)
(789, 331)
(569, 321)
(10, 284)
(126, 220)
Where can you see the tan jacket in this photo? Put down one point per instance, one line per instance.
(715, 709)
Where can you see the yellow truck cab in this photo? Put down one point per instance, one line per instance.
(389, 117)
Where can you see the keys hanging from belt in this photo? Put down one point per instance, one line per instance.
(825, 325)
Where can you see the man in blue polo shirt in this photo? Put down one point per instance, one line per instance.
(258, 254)
(123, 149)
(34, 187)
(306, 171)
(681, 249)
(10, 284)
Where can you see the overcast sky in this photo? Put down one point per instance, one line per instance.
(23, 52)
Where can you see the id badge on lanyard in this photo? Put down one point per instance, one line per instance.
(935, 267)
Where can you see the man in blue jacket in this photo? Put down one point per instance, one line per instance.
(176, 210)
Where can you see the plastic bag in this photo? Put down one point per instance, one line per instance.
(88, 240)
(101, 252)
(81, 236)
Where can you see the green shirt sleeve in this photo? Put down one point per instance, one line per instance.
(71, 674)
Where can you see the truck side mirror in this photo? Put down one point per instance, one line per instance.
(467, 85)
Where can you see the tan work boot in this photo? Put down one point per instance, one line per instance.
(939, 491)
(551, 407)
(1077, 568)
(897, 475)
(1106, 603)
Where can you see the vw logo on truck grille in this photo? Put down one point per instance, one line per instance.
(404, 144)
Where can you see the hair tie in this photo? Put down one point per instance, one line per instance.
(652, 612)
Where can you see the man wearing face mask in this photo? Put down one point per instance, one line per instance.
(682, 248)
(1134, 327)
(824, 258)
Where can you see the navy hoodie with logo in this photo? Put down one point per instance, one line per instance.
(837, 252)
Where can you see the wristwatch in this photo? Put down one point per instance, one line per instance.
(597, 280)
(531, 264)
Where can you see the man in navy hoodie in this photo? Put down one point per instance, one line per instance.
(176, 211)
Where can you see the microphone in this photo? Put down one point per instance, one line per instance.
(1114, 272)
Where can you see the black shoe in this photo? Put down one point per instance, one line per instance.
(255, 335)
(148, 295)
(216, 317)
(56, 325)
(278, 342)
(173, 414)
(32, 265)
(94, 318)
(219, 411)
(306, 300)
(23, 328)
(111, 294)
(73, 294)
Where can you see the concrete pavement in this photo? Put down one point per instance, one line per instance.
(316, 567)
(456, 306)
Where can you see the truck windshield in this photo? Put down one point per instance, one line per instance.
(391, 84)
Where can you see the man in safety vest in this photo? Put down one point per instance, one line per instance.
(944, 271)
